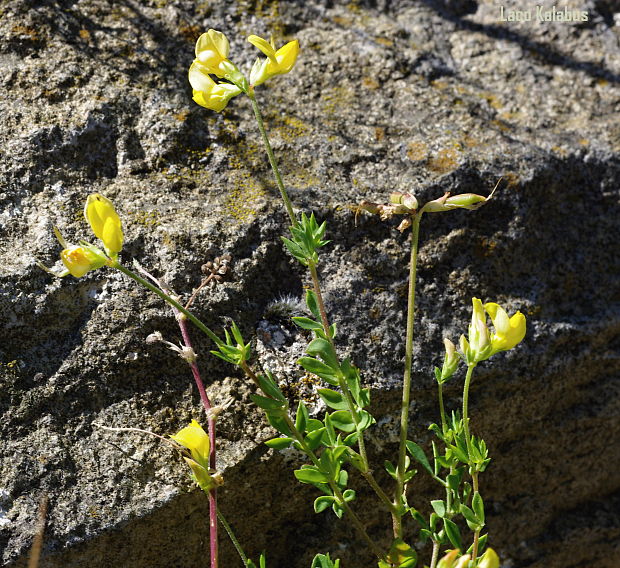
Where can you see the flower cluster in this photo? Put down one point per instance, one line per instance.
(212, 50)
(482, 343)
(106, 225)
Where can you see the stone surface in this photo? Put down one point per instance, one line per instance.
(424, 96)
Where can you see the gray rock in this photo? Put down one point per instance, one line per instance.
(408, 96)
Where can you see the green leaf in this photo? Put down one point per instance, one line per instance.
(313, 424)
(401, 554)
(332, 330)
(330, 433)
(302, 417)
(349, 495)
(333, 399)
(390, 468)
(343, 479)
(313, 304)
(324, 561)
(418, 453)
(307, 323)
(267, 403)
(311, 475)
(454, 480)
(279, 443)
(478, 506)
(322, 503)
(319, 368)
(295, 250)
(420, 519)
(473, 522)
(269, 386)
(325, 350)
(440, 507)
(343, 420)
(314, 438)
(278, 422)
(453, 533)
(365, 420)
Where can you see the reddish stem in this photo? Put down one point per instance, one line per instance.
(211, 429)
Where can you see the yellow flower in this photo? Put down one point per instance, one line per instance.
(489, 559)
(78, 260)
(206, 92)
(277, 62)
(196, 440)
(509, 332)
(105, 222)
(211, 51)
(212, 59)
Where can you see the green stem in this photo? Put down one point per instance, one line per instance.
(201, 326)
(272, 158)
(470, 370)
(341, 380)
(232, 537)
(442, 410)
(474, 552)
(335, 489)
(435, 556)
(404, 409)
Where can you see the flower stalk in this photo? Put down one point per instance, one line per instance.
(404, 409)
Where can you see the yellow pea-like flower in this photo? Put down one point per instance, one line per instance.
(212, 50)
(79, 260)
(105, 222)
(509, 332)
(206, 92)
(196, 440)
(277, 63)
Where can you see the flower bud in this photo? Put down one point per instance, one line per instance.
(105, 222)
(489, 559)
(448, 560)
(463, 561)
(450, 362)
(479, 339)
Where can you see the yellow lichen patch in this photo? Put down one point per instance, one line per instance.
(182, 116)
(534, 311)
(335, 99)
(493, 100)
(244, 197)
(445, 161)
(370, 83)
(146, 218)
(379, 133)
(84, 34)
(439, 84)
(501, 125)
(486, 247)
(190, 32)
(511, 179)
(584, 142)
(384, 41)
(417, 151)
(289, 128)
